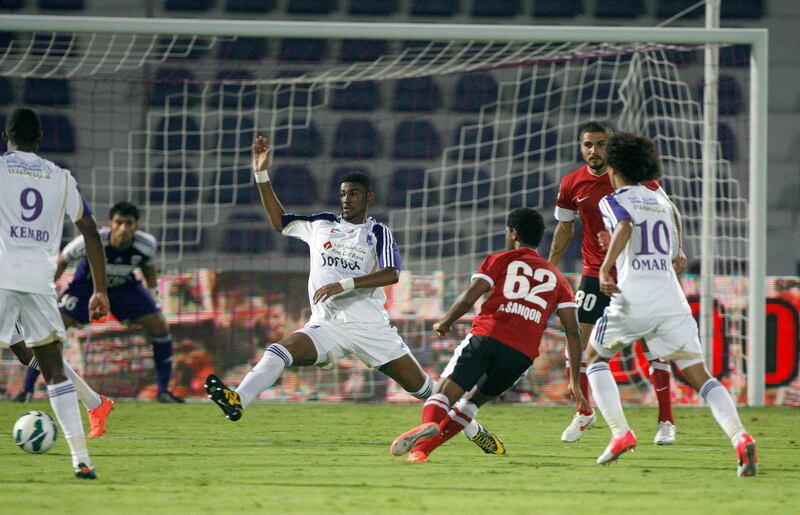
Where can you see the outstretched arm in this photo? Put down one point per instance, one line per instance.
(463, 303)
(262, 155)
(98, 303)
(383, 277)
(561, 238)
(618, 241)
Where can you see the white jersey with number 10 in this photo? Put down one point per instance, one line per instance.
(645, 276)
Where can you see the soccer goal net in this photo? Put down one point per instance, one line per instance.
(455, 126)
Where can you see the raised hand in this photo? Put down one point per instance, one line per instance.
(262, 154)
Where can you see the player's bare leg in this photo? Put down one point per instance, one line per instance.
(583, 420)
(606, 395)
(297, 349)
(726, 415)
(475, 432)
(661, 379)
(98, 406)
(64, 401)
(407, 372)
(155, 325)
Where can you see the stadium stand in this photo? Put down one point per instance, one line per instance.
(404, 180)
(533, 142)
(467, 185)
(356, 138)
(526, 191)
(173, 183)
(187, 5)
(372, 8)
(300, 141)
(176, 133)
(236, 134)
(242, 49)
(669, 8)
(496, 8)
(61, 5)
(557, 8)
(356, 96)
(355, 50)
(60, 133)
(473, 91)
(233, 185)
(434, 7)
(619, 8)
(246, 233)
(311, 6)
(475, 142)
(6, 92)
(305, 50)
(742, 9)
(419, 94)
(249, 6)
(233, 94)
(295, 185)
(175, 86)
(49, 92)
(416, 139)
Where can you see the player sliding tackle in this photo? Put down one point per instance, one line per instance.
(524, 291)
(647, 299)
(352, 257)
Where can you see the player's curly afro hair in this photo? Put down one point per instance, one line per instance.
(528, 223)
(634, 157)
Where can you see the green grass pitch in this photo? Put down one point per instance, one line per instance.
(333, 459)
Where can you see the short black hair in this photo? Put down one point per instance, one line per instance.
(634, 157)
(358, 178)
(528, 223)
(595, 126)
(124, 208)
(24, 128)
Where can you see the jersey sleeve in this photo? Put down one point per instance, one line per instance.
(565, 295)
(146, 244)
(297, 226)
(386, 248)
(613, 211)
(487, 271)
(566, 210)
(76, 205)
(74, 250)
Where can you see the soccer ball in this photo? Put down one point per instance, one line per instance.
(35, 432)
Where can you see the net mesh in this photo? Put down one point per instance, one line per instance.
(457, 134)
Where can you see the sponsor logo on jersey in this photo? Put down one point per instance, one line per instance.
(327, 245)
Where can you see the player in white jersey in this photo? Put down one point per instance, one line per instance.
(34, 196)
(352, 258)
(647, 299)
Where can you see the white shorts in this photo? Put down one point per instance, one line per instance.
(672, 337)
(37, 313)
(374, 344)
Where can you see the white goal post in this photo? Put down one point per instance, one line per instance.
(756, 39)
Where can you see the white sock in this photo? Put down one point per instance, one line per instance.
(264, 374)
(65, 404)
(425, 391)
(472, 429)
(723, 409)
(88, 397)
(606, 397)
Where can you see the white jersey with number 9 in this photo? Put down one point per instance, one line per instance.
(34, 196)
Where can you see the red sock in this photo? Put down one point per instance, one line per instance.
(448, 428)
(435, 408)
(585, 390)
(659, 375)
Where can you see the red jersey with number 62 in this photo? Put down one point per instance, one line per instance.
(525, 290)
(579, 194)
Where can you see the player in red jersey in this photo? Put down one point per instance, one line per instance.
(579, 195)
(525, 291)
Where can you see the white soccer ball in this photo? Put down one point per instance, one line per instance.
(35, 432)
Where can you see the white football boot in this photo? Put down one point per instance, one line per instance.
(665, 434)
(579, 424)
